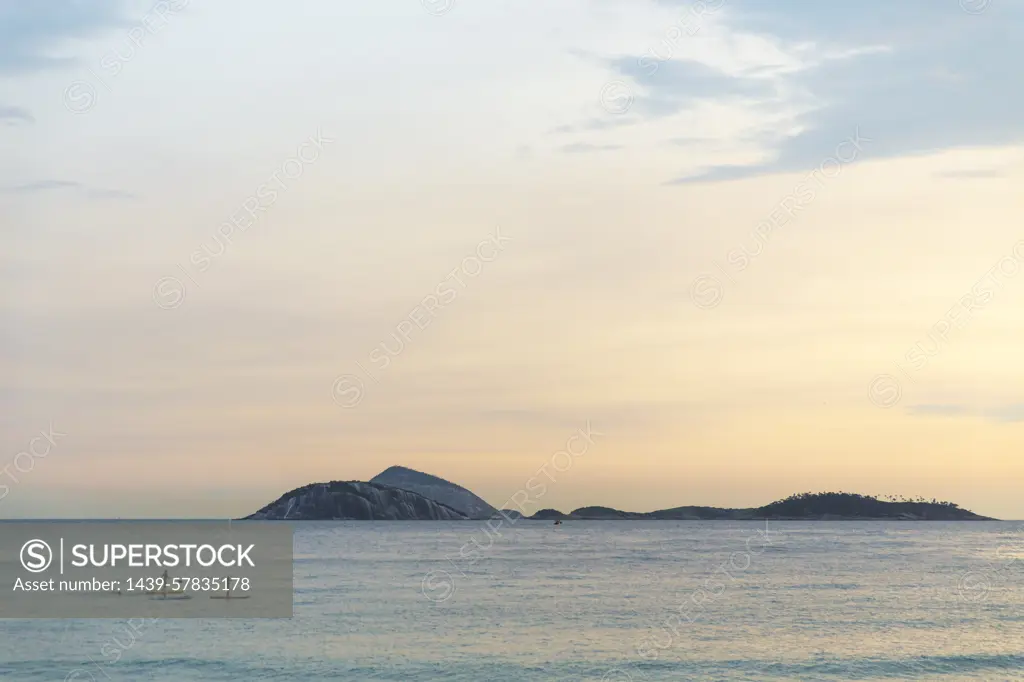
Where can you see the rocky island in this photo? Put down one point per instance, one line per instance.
(438, 489)
(402, 494)
(354, 501)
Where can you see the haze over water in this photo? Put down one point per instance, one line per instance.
(592, 601)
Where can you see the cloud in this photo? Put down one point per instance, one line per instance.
(38, 186)
(936, 410)
(1012, 412)
(56, 185)
(31, 32)
(972, 173)
(914, 77)
(582, 148)
(14, 115)
(597, 124)
(529, 417)
(637, 416)
(111, 194)
(671, 86)
(1007, 413)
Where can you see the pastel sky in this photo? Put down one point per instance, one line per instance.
(762, 248)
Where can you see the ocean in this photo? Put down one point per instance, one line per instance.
(609, 601)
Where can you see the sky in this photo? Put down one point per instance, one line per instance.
(753, 249)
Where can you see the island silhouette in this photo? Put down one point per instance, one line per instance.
(403, 494)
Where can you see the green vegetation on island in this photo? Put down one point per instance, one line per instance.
(802, 506)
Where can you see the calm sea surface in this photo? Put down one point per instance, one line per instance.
(610, 601)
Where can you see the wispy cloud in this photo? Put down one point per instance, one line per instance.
(14, 115)
(938, 410)
(583, 148)
(30, 32)
(57, 185)
(110, 194)
(626, 416)
(972, 173)
(1007, 413)
(1011, 412)
(795, 79)
(38, 186)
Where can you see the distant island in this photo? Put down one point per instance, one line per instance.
(355, 501)
(801, 507)
(403, 494)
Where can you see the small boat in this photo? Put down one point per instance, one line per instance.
(558, 522)
(227, 594)
(165, 592)
(169, 596)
